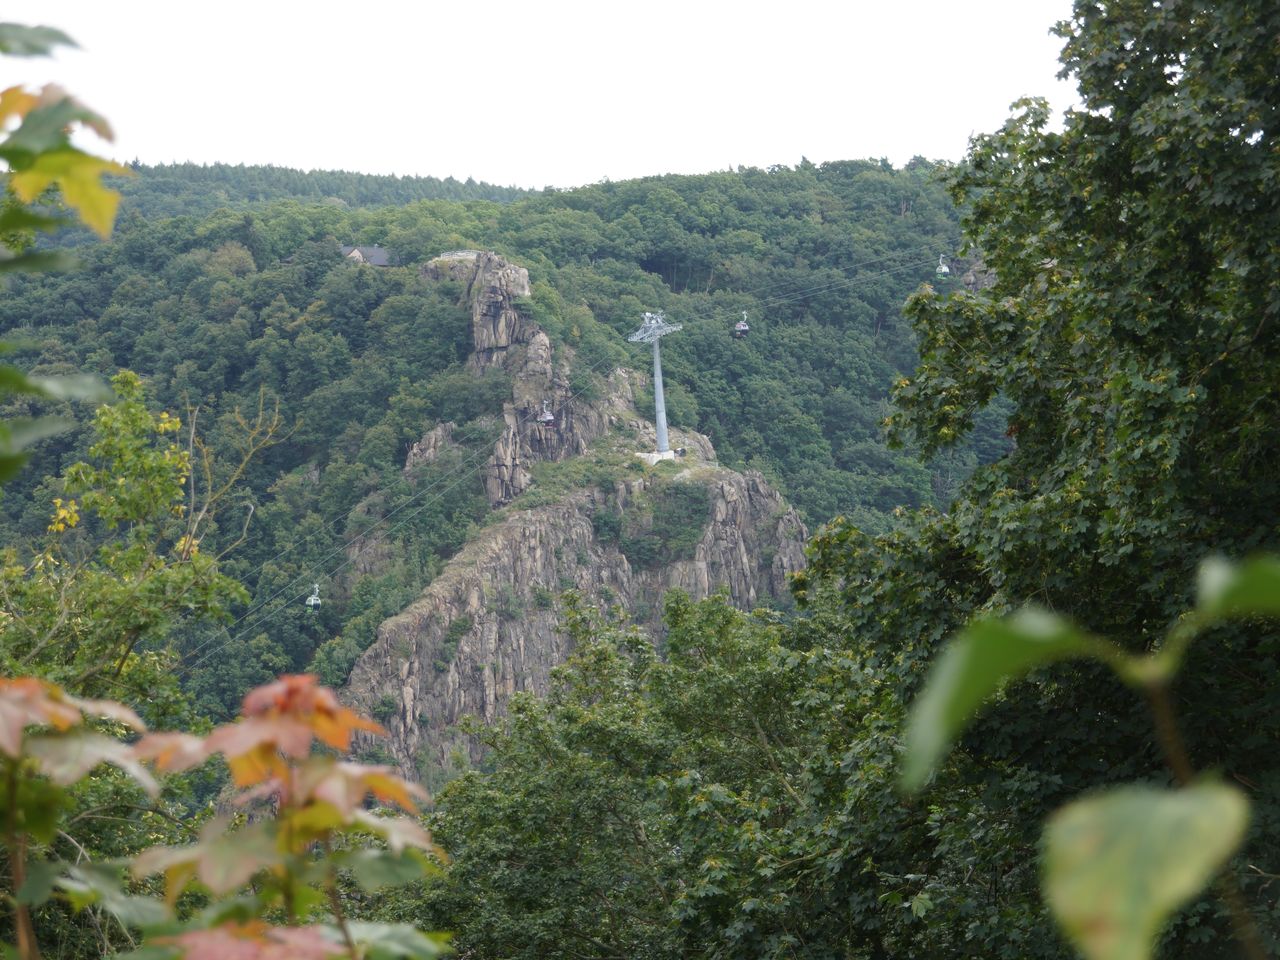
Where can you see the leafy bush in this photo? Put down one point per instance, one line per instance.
(385, 708)
(280, 864)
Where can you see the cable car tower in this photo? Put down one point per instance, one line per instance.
(654, 328)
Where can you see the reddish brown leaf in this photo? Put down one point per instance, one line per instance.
(254, 941)
(388, 787)
(301, 698)
(345, 785)
(335, 727)
(283, 733)
(109, 709)
(266, 790)
(382, 782)
(172, 752)
(26, 702)
(253, 746)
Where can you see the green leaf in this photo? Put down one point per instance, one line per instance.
(986, 654)
(40, 807)
(1117, 865)
(42, 875)
(13, 380)
(20, 433)
(375, 869)
(67, 758)
(100, 883)
(43, 133)
(83, 386)
(38, 261)
(10, 465)
(20, 218)
(1250, 589)
(240, 909)
(79, 177)
(391, 941)
(222, 862)
(148, 952)
(17, 40)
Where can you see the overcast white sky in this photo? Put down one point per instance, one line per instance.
(555, 93)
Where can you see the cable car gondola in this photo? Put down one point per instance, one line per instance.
(546, 417)
(313, 601)
(943, 270)
(741, 328)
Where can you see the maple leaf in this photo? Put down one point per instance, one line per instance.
(284, 717)
(253, 746)
(79, 177)
(16, 102)
(301, 698)
(345, 785)
(324, 794)
(66, 758)
(27, 701)
(172, 752)
(109, 709)
(255, 940)
(222, 862)
(399, 832)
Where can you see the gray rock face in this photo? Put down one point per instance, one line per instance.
(487, 626)
(505, 338)
(428, 449)
(492, 286)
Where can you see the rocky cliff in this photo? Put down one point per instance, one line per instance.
(507, 339)
(487, 626)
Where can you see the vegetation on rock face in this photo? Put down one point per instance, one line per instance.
(667, 525)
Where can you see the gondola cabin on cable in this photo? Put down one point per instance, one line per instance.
(741, 328)
(313, 601)
(546, 418)
(943, 270)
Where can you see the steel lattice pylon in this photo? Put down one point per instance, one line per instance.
(653, 329)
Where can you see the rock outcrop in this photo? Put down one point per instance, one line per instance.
(487, 626)
(427, 450)
(492, 286)
(505, 338)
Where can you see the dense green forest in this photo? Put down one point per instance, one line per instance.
(252, 312)
(190, 189)
(1057, 602)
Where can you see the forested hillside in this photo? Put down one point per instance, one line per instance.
(190, 189)
(252, 311)
(1020, 703)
